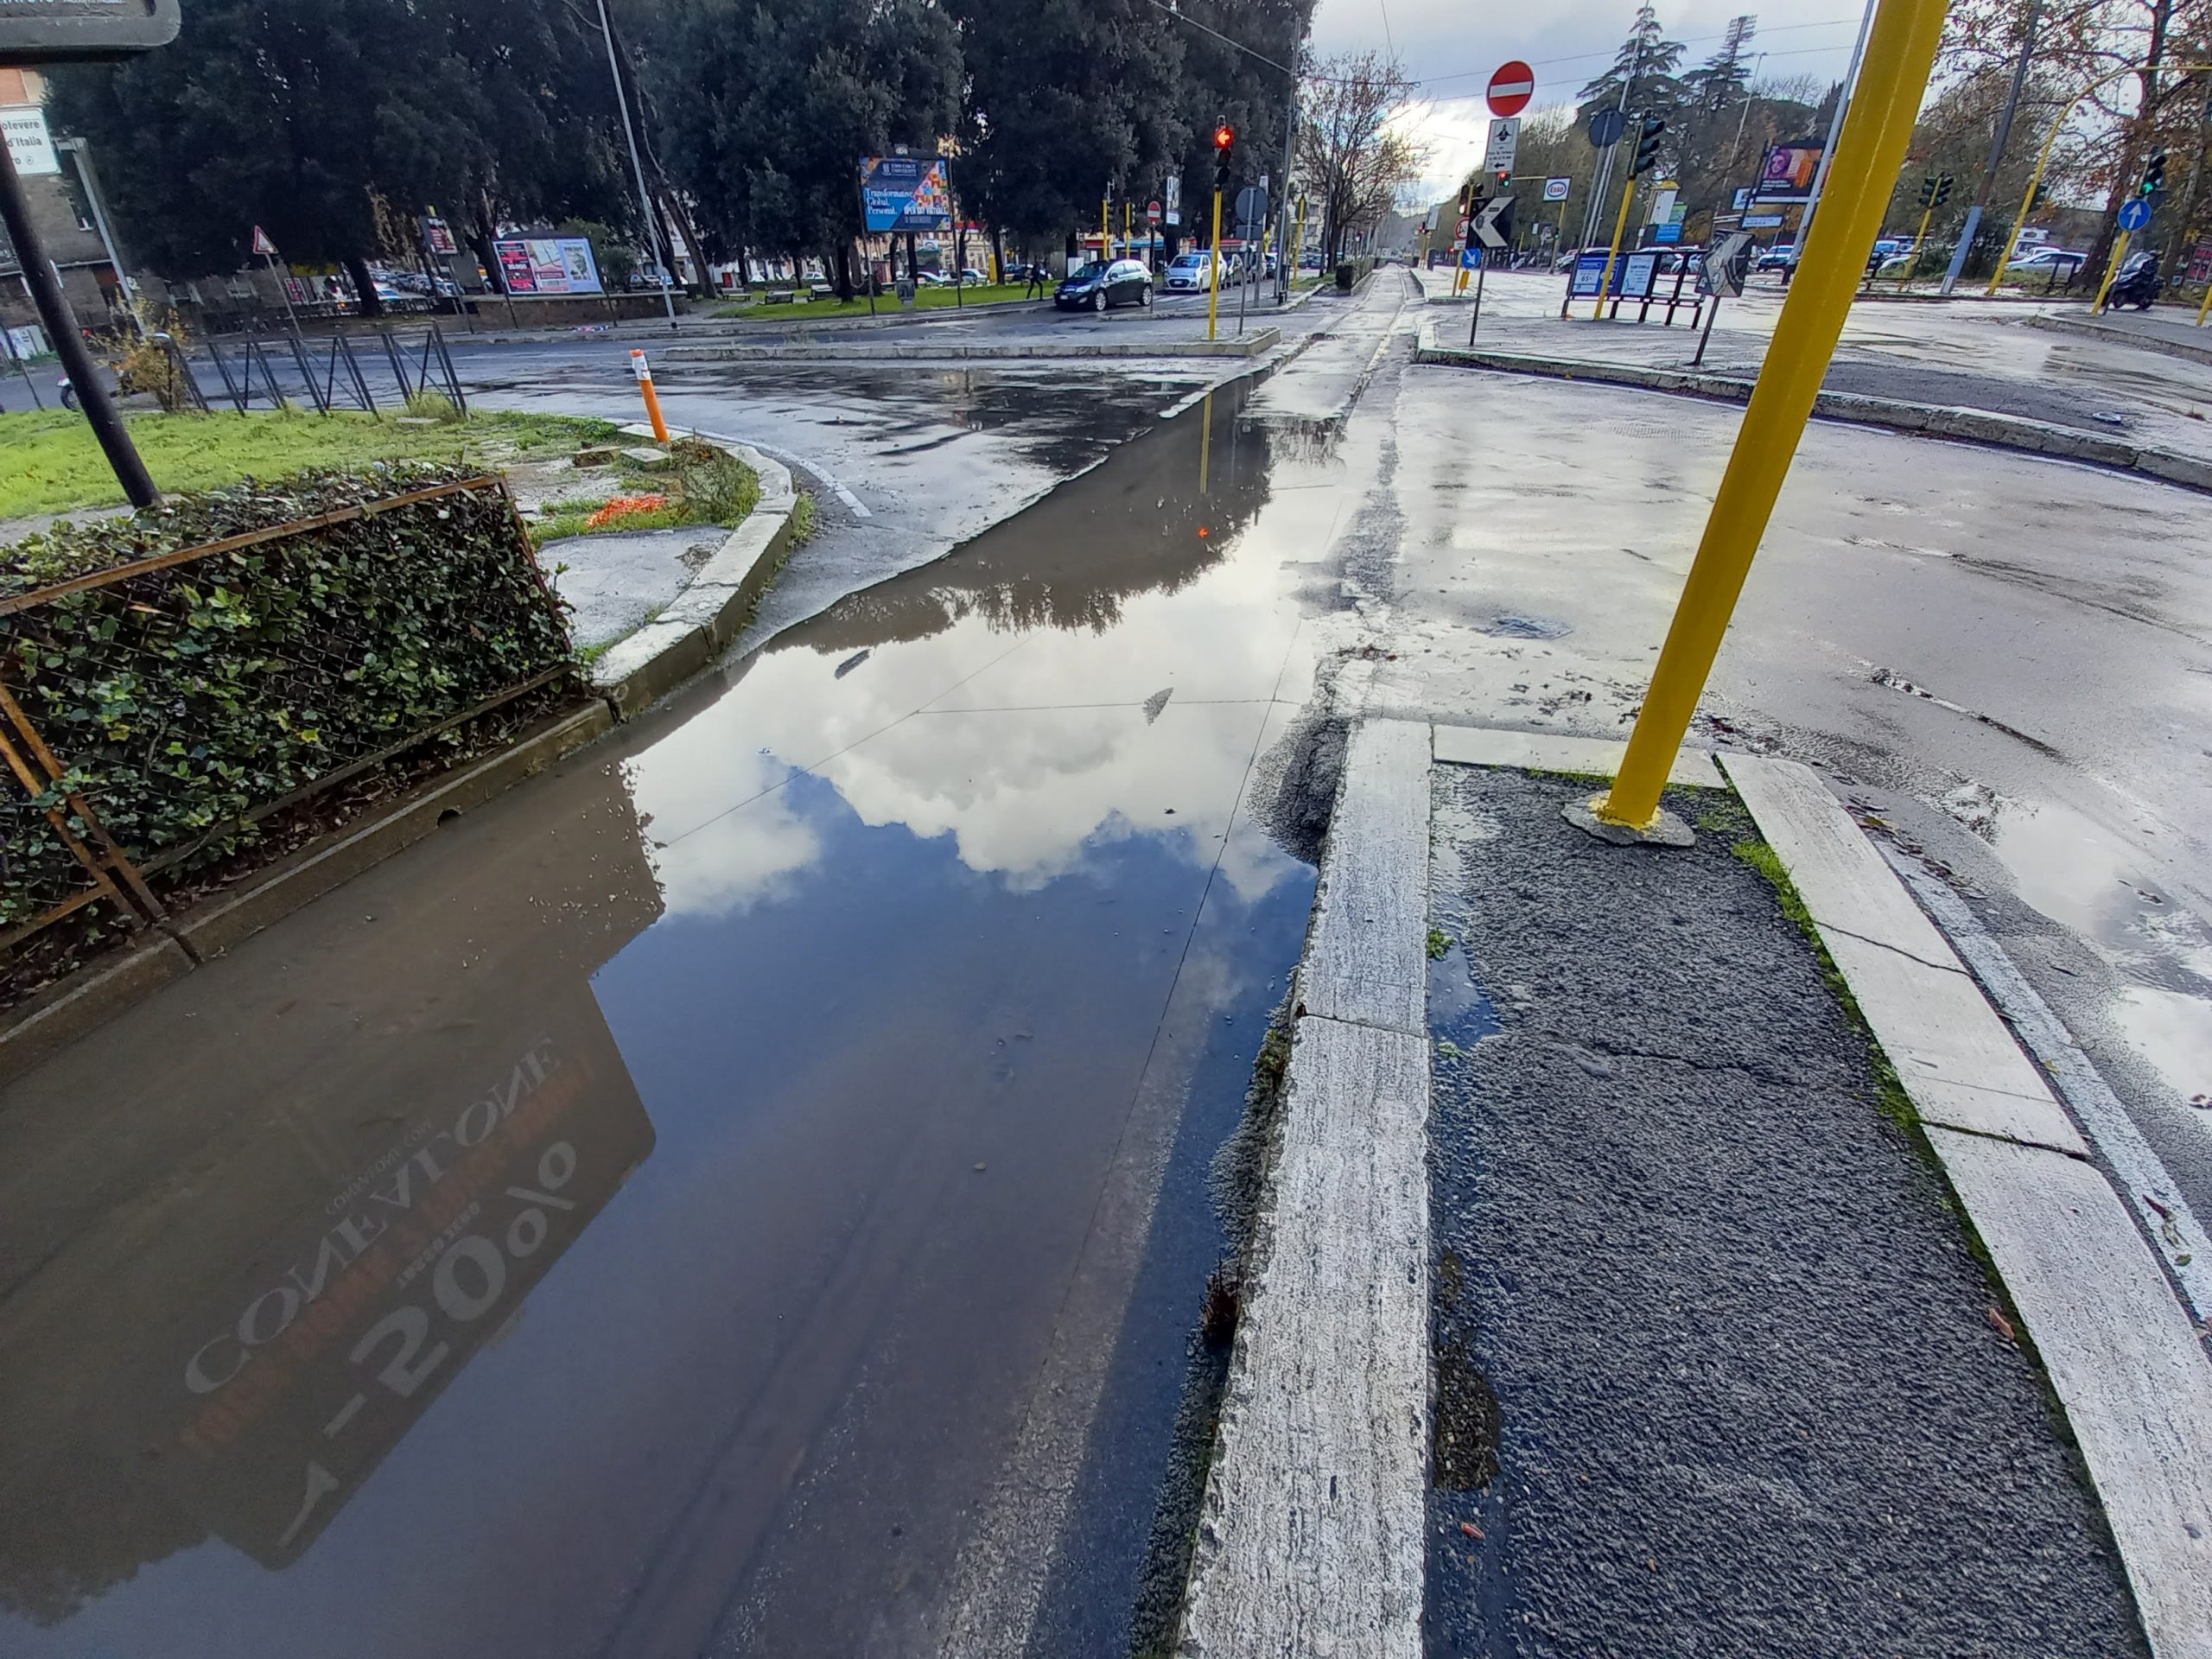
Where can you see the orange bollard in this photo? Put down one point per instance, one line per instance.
(645, 374)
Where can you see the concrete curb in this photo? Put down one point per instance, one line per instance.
(637, 671)
(2091, 328)
(96, 993)
(1312, 1534)
(1933, 420)
(2123, 1358)
(1252, 345)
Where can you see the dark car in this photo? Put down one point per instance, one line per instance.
(1095, 285)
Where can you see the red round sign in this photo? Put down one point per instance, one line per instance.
(1512, 88)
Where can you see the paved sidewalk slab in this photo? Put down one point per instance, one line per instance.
(1488, 746)
(1310, 1536)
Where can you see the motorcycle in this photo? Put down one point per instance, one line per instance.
(68, 393)
(2138, 283)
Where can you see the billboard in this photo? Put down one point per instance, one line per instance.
(548, 265)
(905, 192)
(1788, 174)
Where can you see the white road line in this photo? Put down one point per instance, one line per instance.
(2150, 1191)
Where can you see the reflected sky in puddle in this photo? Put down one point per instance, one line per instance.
(2079, 874)
(804, 1061)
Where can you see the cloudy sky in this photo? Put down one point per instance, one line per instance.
(1452, 46)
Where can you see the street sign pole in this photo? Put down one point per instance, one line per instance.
(1613, 253)
(39, 276)
(1482, 270)
(636, 166)
(1899, 55)
(2119, 253)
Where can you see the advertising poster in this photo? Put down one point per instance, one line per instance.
(1589, 272)
(1174, 197)
(439, 236)
(905, 192)
(1636, 275)
(550, 264)
(1788, 174)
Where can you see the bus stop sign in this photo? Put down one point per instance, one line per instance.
(74, 31)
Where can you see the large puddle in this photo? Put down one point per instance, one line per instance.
(711, 1198)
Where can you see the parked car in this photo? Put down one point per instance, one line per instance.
(2059, 265)
(1192, 273)
(971, 275)
(1782, 255)
(1095, 285)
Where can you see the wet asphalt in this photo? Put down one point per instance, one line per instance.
(744, 1191)
(2004, 661)
(1716, 1374)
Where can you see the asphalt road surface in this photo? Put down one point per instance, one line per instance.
(2008, 659)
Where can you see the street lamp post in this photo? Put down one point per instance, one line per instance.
(638, 166)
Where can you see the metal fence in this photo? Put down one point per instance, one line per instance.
(326, 372)
(152, 712)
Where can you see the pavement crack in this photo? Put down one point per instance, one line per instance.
(1827, 926)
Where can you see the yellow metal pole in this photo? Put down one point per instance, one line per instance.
(2207, 306)
(1620, 229)
(2112, 270)
(1213, 268)
(1298, 250)
(1900, 51)
(1918, 236)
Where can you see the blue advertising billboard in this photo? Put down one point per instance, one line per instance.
(905, 192)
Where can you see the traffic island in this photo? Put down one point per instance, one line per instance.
(1669, 1250)
(1981, 426)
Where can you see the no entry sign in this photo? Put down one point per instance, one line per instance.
(1512, 88)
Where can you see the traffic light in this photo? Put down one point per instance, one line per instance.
(2154, 174)
(1942, 189)
(1647, 146)
(1225, 155)
(1935, 190)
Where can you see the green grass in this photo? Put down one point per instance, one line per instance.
(717, 490)
(805, 523)
(50, 463)
(928, 299)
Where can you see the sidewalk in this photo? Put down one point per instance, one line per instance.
(1769, 1295)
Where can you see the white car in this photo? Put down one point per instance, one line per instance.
(1191, 273)
(2059, 263)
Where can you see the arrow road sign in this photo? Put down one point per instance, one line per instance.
(2134, 214)
(1728, 264)
(1512, 88)
(1489, 226)
(1607, 127)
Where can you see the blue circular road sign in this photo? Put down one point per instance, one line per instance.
(1607, 127)
(2134, 214)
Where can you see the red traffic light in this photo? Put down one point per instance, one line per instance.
(1223, 136)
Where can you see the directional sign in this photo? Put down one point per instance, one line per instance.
(1607, 127)
(2134, 214)
(1728, 264)
(1512, 88)
(1556, 189)
(1492, 223)
(1504, 143)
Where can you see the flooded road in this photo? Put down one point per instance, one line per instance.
(742, 1193)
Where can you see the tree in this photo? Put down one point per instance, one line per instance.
(1723, 79)
(301, 116)
(1647, 59)
(1348, 154)
(1065, 100)
(1248, 88)
(772, 103)
(2130, 57)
